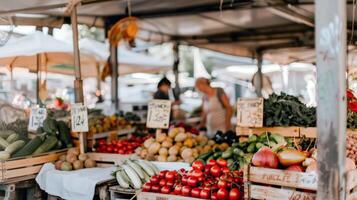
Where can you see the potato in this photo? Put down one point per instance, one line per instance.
(143, 153)
(71, 158)
(172, 158)
(62, 157)
(83, 157)
(58, 164)
(166, 144)
(160, 137)
(154, 148)
(186, 153)
(73, 151)
(173, 151)
(162, 158)
(180, 137)
(89, 163)
(148, 142)
(66, 166)
(78, 164)
(163, 151)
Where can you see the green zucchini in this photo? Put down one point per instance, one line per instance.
(30, 147)
(64, 134)
(49, 143)
(12, 138)
(3, 143)
(4, 155)
(12, 148)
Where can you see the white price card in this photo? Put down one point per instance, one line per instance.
(158, 114)
(79, 118)
(250, 112)
(37, 116)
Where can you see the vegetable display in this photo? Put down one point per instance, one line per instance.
(177, 145)
(120, 146)
(73, 160)
(99, 124)
(133, 173)
(287, 110)
(211, 181)
(241, 153)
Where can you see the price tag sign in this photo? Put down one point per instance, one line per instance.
(37, 116)
(158, 114)
(250, 112)
(79, 118)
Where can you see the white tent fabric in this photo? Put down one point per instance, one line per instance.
(129, 62)
(199, 69)
(55, 56)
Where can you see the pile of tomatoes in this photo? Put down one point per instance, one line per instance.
(211, 181)
(120, 146)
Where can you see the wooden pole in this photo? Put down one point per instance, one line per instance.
(115, 74)
(259, 76)
(78, 84)
(330, 38)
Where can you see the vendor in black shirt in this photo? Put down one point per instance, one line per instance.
(163, 88)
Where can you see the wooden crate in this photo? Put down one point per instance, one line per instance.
(292, 131)
(311, 132)
(26, 166)
(107, 159)
(157, 196)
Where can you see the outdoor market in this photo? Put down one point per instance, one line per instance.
(178, 100)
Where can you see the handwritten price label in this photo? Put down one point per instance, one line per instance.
(250, 112)
(37, 116)
(158, 114)
(79, 118)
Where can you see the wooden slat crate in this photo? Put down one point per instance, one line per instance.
(25, 166)
(292, 131)
(107, 159)
(158, 196)
(276, 184)
(311, 132)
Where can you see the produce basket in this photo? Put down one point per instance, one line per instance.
(157, 196)
(276, 184)
(107, 159)
(25, 166)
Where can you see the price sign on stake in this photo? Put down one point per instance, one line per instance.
(79, 118)
(37, 116)
(250, 112)
(158, 114)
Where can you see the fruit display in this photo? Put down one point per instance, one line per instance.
(120, 146)
(133, 173)
(53, 135)
(100, 123)
(73, 160)
(211, 181)
(241, 153)
(188, 128)
(177, 145)
(351, 147)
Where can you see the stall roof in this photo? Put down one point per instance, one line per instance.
(235, 27)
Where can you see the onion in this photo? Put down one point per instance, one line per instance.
(289, 157)
(265, 158)
(297, 168)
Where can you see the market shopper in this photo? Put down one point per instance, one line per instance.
(163, 88)
(216, 110)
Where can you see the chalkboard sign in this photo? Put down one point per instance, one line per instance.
(158, 114)
(250, 112)
(37, 116)
(79, 118)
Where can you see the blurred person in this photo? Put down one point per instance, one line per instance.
(163, 89)
(216, 110)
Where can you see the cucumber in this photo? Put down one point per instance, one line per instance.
(4, 155)
(6, 133)
(3, 143)
(204, 156)
(64, 134)
(49, 143)
(228, 153)
(30, 147)
(251, 148)
(12, 148)
(217, 155)
(12, 138)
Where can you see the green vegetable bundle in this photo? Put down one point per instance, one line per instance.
(287, 110)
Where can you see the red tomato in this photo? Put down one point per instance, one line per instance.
(222, 162)
(155, 188)
(119, 144)
(216, 171)
(214, 196)
(222, 194)
(162, 182)
(195, 192)
(110, 149)
(205, 193)
(154, 179)
(184, 180)
(165, 190)
(222, 184)
(162, 174)
(171, 175)
(170, 183)
(186, 190)
(211, 162)
(115, 149)
(198, 165)
(121, 151)
(102, 142)
(147, 187)
(235, 194)
(226, 170)
(197, 173)
(178, 189)
(192, 181)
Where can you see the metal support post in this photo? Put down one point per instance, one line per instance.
(176, 71)
(115, 74)
(259, 76)
(330, 39)
(38, 61)
(78, 83)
